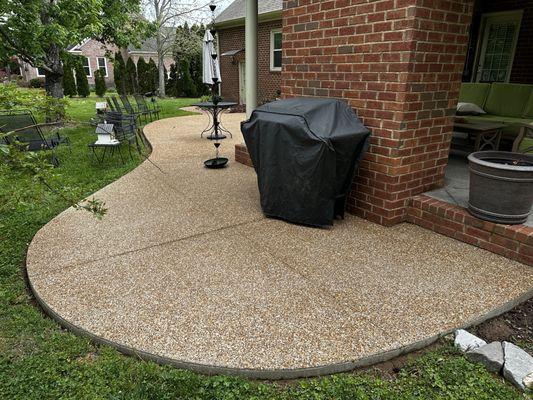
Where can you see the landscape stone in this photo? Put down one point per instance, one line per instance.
(490, 355)
(528, 381)
(466, 341)
(517, 364)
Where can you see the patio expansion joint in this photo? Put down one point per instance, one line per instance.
(164, 243)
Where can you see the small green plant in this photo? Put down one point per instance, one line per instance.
(36, 166)
(99, 83)
(37, 83)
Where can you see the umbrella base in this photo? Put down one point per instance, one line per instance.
(216, 163)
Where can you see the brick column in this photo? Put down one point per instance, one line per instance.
(398, 63)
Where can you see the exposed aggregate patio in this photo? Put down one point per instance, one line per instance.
(185, 269)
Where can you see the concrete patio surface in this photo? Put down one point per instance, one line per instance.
(186, 270)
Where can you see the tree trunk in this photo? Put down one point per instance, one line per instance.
(53, 80)
(161, 63)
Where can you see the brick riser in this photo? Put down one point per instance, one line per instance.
(511, 241)
(241, 155)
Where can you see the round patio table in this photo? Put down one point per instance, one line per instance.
(215, 128)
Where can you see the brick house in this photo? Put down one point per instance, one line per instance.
(400, 65)
(230, 27)
(95, 55)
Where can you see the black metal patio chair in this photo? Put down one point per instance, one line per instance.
(131, 110)
(142, 105)
(125, 131)
(117, 106)
(26, 131)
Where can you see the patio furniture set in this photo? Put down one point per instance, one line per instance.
(498, 111)
(119, 123)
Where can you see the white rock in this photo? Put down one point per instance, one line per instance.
(466, 341)
(490, 355)
(528, 381)
(517, 364)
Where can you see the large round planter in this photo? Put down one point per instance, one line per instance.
(501, 186)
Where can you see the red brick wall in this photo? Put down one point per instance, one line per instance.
(233, 39)
(398, 63)
(522, 71)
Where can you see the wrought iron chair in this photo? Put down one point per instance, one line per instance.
(26, 131)
(125, 131)
(144, 108)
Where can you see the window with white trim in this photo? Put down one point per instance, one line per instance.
(102, 65)
(87, 66)
(40, 72)
(275, 50)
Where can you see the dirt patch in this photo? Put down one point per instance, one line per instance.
(515, 326)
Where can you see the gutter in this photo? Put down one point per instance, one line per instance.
(266, 17)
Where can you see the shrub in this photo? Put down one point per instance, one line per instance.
(69, 84)
(99, 83)
(13, 97)
(119, 72)
(37, 83)
(187, 86)
(131, 77)
(82, 84)
(153, 76)
(143, 76)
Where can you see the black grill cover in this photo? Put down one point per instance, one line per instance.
(305, 152)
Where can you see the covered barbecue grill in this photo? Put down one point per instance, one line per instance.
(305, 152)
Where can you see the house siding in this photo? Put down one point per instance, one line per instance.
(269, 85)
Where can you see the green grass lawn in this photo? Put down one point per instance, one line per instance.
(39, 360)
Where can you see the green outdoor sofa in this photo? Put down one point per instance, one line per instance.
(508, 103)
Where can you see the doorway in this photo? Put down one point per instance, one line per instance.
(498, 37)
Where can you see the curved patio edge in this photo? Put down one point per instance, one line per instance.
(263, 374)
(272, 374)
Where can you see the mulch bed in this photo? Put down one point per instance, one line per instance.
(515, 326)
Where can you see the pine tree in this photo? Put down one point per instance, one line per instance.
(153, 76)
(142, 75)
(82, 84)
(119, 72)
(99, 83)
(69, 84)
(131, 77)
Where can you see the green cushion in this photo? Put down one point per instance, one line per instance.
(474, 93)
(507, 99)
(526, 146)
(528, 112)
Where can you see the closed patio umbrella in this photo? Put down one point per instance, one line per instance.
(211, 67)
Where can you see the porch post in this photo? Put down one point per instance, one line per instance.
(251, 56)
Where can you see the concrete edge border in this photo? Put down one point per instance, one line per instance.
(266, 374)
(271, 374)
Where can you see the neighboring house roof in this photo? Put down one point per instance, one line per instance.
(150, 45)
(235, 12)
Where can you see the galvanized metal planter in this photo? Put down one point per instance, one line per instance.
(501, 186)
